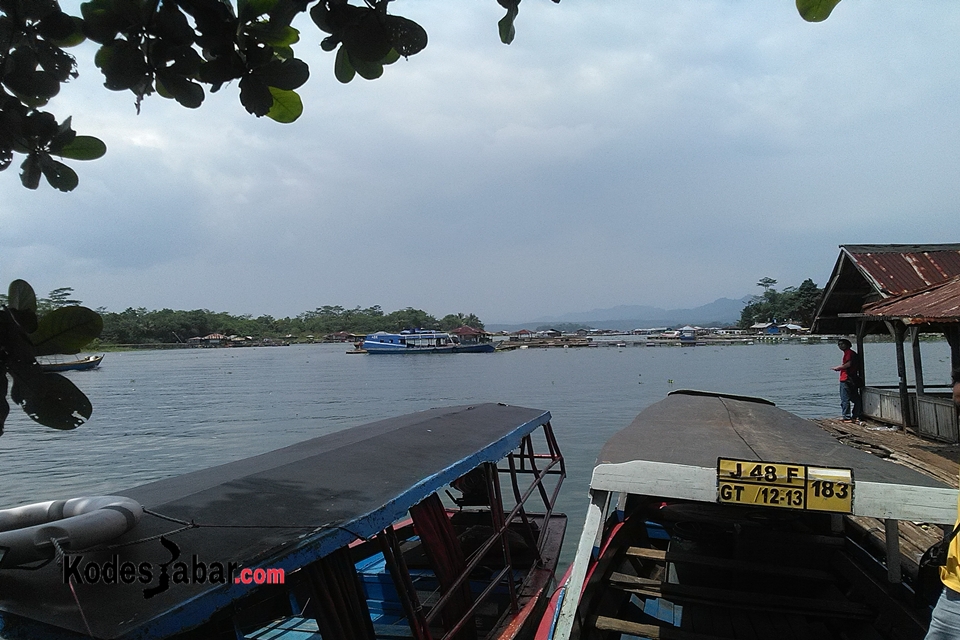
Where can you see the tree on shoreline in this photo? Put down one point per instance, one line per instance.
(140, 326)
(793, 303)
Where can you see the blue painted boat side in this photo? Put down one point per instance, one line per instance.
(420, 342)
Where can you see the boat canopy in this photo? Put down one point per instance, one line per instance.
(279, 510)
(695, 445)
(654, 456)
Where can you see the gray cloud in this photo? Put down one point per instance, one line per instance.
(617, 153)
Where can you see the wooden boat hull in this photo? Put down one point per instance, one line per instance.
(84, 364)
(462, 348)
(720, 573)
(732, 538)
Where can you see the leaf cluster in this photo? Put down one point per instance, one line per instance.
(176, 48)
(179, 49)
(48, 398)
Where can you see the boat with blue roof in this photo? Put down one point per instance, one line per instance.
(420, 341)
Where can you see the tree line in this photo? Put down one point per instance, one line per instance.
(142, 326)
(793, 304)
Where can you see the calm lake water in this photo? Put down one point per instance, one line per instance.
(162, 413)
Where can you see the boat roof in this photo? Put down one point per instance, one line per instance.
(335, 488)
(672, 448)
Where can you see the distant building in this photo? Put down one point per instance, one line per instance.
(549, 333)
(791, 328)
(767, 328)
(469, 335)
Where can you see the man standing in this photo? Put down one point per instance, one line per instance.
(849, 382)
(945, 622)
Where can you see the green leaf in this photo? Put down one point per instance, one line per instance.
(368, 38)
(222, 69)
(187, 93)
(367, 70)
(101, 20)
(507, 30)
(122, 64)
(34, 85)
(66, 330)
(75, 38)
(273, 36)
(50, 399)
(406, 36)
(342, 68)
(288, 74)
(287, 106)
(171, 26)
(58, 26)
(320, 15)
(392, 56)
(30, 171)
(255, 96)
(329, 43)
(82, 148)
(60, 176)
(21, 296)
(816, 10)
(283, 52)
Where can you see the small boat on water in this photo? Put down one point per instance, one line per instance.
(420, 341)
(715, 516)
(80, 364)
(438, 524)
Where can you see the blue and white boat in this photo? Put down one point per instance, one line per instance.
(420, 341)
(353, 535)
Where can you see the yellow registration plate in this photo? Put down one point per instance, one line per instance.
(787, 486)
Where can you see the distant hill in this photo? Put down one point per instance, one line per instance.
(721, 312)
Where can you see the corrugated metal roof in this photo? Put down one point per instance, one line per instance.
(938, 303)
(467, 331)
(895, 269)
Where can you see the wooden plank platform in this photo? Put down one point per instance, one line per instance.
(937, 460)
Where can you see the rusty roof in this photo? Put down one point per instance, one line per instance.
(937, 303)
(467, 331)
(895, 269)
(867, 273)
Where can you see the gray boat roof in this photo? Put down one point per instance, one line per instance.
(671, 450)
(335, 488)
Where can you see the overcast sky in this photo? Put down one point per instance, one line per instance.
(656, 153)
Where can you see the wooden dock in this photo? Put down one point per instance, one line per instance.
(940, 461)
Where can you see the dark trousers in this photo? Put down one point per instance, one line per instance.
(850, 403)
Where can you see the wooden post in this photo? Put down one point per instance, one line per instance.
(898, 337)
(861, 331)
(914, 334)
(953, 339)
(892, 534)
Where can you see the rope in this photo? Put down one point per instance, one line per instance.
(195, 525)
(59, 558)
(58, 551)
